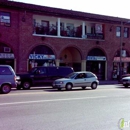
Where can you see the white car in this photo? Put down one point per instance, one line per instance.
(126, 81)
(77, 79)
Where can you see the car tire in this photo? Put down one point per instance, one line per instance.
(6, 88)
(126, 86)
(59, 89)
(26, 85)
(68, 86)
(83, 88)
(19, 87)
(94, 85)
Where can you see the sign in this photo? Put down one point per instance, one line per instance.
(41, 56)
(122, 59)
(98, 28)
(96, 58)
(6, 56)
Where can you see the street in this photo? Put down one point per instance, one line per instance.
(48, 109)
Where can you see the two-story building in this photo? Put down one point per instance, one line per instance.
(34, 35)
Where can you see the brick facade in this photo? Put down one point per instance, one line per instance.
(19, 36)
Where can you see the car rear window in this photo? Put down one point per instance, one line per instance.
(5, 71)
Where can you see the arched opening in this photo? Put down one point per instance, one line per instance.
(70, 56)
(6, 55)
(41, 56)
(96, 60)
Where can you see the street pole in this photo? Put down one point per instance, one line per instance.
(121, 39)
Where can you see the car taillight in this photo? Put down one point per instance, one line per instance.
(15, 78)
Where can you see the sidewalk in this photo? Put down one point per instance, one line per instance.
(108, 82)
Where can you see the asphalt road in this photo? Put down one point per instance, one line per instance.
(49, 109)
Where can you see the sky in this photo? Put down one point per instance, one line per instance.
(116, 8)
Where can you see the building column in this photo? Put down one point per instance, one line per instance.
(58, 27)
(15, 65)
(83, 65)
(106, 70)
(57, 62)
(83, 29)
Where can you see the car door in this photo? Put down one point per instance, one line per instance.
(89, 79)
(80, 80)
(40, 76)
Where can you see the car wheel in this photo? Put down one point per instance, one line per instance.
(83, 88)
(68, 86)
(59, 89)
(94, 85)
(6, 88)
(26, 85)
(126, 86)
(19, 87)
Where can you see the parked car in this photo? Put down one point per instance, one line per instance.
(8, 79)
(126, 81)
(41, 76)
(77, 79)
(125, 75)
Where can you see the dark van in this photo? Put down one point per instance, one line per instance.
(41, 76)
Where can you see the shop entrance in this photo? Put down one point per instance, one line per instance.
(6, 55)
(121, 64)
(71, 57)
(96, 61)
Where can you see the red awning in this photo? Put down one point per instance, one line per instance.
(123, 59)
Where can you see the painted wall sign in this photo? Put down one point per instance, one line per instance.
(41, 56)
(6, 56)
(96, 58)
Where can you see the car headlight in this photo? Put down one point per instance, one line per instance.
(17, 77)
(61, 82)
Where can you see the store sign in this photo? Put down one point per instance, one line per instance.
(98, 28)
(96, 58)
(6, 56)
(41, 56)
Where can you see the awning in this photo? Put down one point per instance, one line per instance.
(123, 59)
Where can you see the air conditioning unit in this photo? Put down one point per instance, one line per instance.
(7, 49)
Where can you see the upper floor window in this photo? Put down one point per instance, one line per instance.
(126, 32)
(5, 18)
(118, 31)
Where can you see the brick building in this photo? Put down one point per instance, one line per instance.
(34, 35)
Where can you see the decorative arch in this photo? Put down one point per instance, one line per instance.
(41, 55)
(6, 55)
(71, 56)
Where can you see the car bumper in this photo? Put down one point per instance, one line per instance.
(125, 83)
(58, 85)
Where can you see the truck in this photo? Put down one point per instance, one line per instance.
(42, 76)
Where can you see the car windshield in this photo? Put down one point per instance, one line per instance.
(71, 75)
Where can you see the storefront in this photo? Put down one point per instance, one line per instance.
(7, 56)
(96, 63)
(41, 56)
(121, 63)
